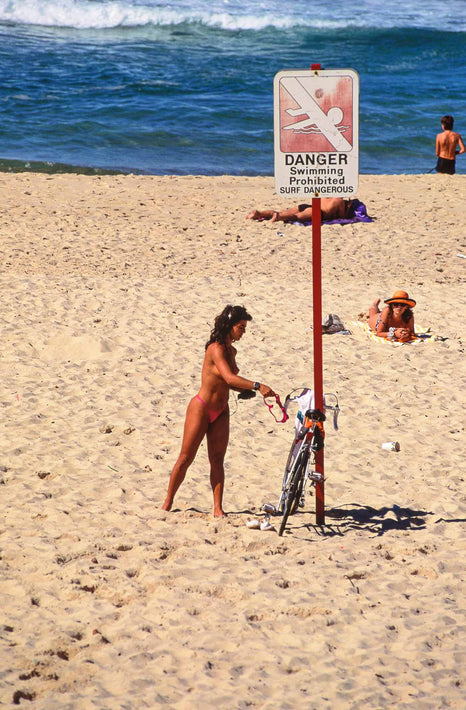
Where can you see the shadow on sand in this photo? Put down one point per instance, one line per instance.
(353, 516)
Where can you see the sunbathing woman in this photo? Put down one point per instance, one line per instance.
(331, 208)
(396, 321)
(208, 413)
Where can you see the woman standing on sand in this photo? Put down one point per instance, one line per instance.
(208, 412)
(396, 321)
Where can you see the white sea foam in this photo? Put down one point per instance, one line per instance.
(234, 15)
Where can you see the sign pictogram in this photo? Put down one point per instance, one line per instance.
(316, 132)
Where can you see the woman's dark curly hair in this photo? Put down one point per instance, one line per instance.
(406, 315)
(229, 317)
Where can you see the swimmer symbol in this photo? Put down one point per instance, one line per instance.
(317, 120)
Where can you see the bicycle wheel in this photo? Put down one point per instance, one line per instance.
(294, 452)
(294, 490)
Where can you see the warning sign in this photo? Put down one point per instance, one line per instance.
(316, 132)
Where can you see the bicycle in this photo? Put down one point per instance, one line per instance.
(308, 440)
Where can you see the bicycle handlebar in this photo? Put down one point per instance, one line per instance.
(327, 407)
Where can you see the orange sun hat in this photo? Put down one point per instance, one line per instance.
(401, 297)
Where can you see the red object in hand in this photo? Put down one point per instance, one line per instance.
(285, 416)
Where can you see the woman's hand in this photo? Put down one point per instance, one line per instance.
(402, 334)
(266, 391)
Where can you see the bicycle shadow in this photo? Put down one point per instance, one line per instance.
(378, 521)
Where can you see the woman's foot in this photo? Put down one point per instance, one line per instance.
(253, 215)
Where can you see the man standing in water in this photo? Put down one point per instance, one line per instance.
(446, 147)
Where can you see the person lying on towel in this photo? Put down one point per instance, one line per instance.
(396, 320)
(332, 208)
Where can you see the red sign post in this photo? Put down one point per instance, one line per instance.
(317, 340)
(317, 343)
(316, 154)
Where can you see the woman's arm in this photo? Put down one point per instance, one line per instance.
(402, 333)
(234, 381)
(399, 333)
(410, 326)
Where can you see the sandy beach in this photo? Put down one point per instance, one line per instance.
(110, 286)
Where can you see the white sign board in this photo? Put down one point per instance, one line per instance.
(316, 132)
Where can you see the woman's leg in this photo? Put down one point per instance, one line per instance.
(374, 313)
(304, 215)
(261, 214)
(195, 427)
(275, 215)
(217, 442)
(288, 215)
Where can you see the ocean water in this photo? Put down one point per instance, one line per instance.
(186, 87)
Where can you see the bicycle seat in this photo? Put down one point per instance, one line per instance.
(315, 415)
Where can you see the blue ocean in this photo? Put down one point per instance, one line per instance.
(186, 86)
